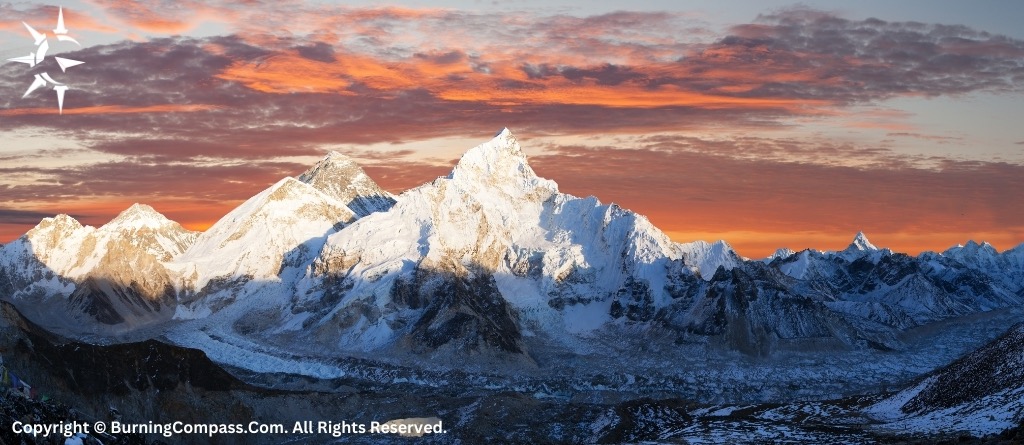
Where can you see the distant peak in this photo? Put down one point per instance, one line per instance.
(782, 252)
(973, 247)
(61, 220)
(136, 210)
(972, 244)
(337, 157)
(333, 164)
(860, 242)
(338, 176)
(335, 171)
(62, 224)
(136, 216)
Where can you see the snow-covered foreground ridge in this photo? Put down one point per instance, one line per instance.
(491, 258)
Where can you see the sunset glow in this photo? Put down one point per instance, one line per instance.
(789, 126)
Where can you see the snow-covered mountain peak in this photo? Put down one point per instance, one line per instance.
(50, 232)
(341, 178)
(861, 243)
(338, 157)
(253, 239)
(707, 257)
(62, 222)
(136, 217)
(286, 199)
(141, 226)
(499, 163)
(972, 248)
(282, 190)
(48, 239)
(979, 256)
(333, 167)
(861, 247)
(782, 252)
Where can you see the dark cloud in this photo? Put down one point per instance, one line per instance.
(318, 51)
(873, 59)
(541, 71)
(604, 75)
(376, 156)
(819, 151)
(25, 217)
(443, 58)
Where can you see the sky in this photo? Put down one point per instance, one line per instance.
(764, 123)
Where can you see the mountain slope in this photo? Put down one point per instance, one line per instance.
(252, 241)
(981, 393)
(247, 251)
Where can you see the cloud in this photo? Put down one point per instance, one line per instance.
(793, 55)
(626, 72)
(42, 17)
(146, 179)
(928, 137)
(162, 17)
(109, 109)
(168, 90)
(214, 120)
(318, 51)
(27, 217)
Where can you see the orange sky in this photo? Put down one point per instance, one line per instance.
(751, 222)
(796, 129)
(747, 242)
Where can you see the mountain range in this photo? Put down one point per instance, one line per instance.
(490, 268)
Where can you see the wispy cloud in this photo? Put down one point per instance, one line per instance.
(109, 109)
(27, 217)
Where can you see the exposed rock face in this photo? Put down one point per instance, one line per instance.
(341, 178)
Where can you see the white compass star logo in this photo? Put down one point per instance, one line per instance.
(36, 57)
